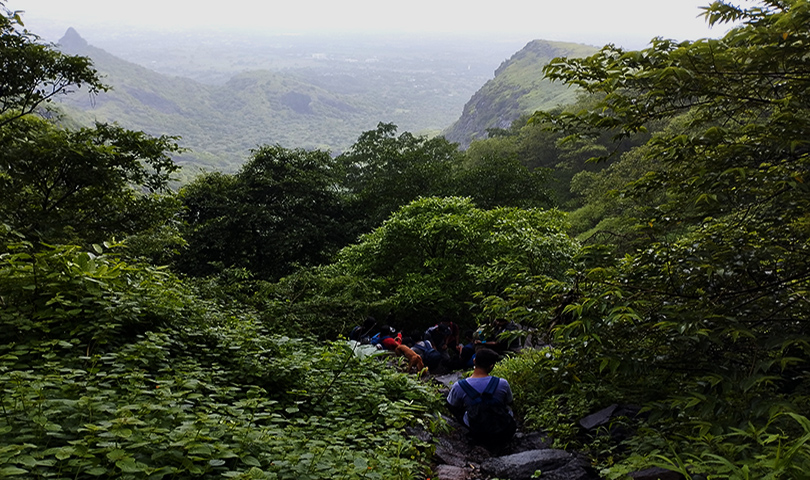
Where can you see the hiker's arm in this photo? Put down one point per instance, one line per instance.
(455, 403)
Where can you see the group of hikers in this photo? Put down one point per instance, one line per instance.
(442, 347)
(481, 402)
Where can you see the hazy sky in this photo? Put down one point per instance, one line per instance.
(586, 21)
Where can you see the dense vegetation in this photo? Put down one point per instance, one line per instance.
(151, 334)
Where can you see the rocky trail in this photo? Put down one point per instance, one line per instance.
(456, 458)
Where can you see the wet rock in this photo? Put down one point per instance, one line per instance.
(452, 452)
(449, 472)
(604, 422)
(419, 433)
(604, 416)
(449, 379)
(577, 469)
(601, 417)
(522, 465)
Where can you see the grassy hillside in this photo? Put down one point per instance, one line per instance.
(312, 107)
(218, 123)
(518, 88)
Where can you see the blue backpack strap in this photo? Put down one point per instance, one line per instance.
(492, 386)
(469, 390)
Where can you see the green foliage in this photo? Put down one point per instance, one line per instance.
(117, 370)
(382, 172)
(493, 176)
(704, 317)
(61, 185)
(776, 450)
(85, 186)
(35, 73)
(89, 297)
(324, 301)
(553, 158)
(289, 208)
(279, 210)
(113, 368)
(607, 213)
(548, 395)
(430, 258)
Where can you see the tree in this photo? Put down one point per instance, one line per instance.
(280, 210)
(59, 185)
(433, 255)
(493, 176)
(383, 172)
(710, 308)
(32, 73)
(82, 186)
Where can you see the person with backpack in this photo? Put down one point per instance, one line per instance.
(481, 402)
(444, 337)
(386, 337)
(362, 333)
(430, 356)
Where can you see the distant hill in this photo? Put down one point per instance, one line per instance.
(518, 88)
(219, 123)
(313, 107)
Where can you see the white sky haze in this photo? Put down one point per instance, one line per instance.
(584, 21)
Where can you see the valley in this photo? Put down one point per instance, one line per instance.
(226, 95)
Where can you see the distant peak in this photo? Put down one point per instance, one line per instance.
(72, 40)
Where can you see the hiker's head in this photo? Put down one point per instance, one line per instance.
(486, 359)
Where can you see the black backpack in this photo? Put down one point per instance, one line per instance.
(490, 421)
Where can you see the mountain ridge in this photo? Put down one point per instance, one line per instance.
(220, 124)
(518, 88)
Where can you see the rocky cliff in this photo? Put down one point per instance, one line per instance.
(518, 88)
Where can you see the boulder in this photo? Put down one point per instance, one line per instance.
(449, 472)
(449, 379)
(520, 466)
(451, 452)
(529, 441)
(604, 416)
(578, 468)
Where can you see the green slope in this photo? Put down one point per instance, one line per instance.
(517, 88)
(218, 124)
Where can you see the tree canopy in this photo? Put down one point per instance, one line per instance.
(83, 186)
(280, 210)
(432, 258)
(383, 171)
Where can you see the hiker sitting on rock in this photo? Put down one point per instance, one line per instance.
(481, 402)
